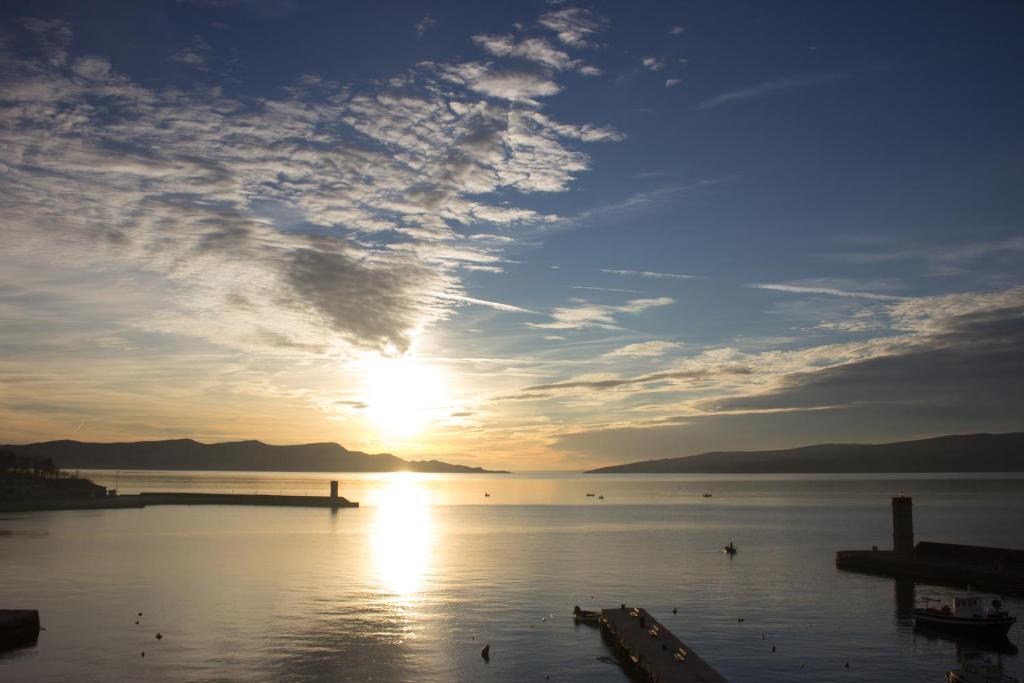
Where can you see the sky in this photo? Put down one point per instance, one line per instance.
(530, 235)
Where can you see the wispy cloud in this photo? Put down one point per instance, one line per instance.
(609, 289)
(573, 25)
(649, 349)
(768, 88)
(195, 55)
(650, 274)
(653, 64)
(496, 305)
(537, 50)
(828, 291)
(586, 314)
(425, 24)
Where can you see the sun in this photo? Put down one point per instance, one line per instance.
(403, 394)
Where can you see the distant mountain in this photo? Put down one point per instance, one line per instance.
(186, 454)
(957, 453)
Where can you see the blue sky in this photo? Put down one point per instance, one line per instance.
(537, 235)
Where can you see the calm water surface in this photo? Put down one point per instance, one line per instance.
(410, 586)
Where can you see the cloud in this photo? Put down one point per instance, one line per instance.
(53, 36)
(650, 349)
(672, 82)
(195, 55)
(828, 291)
(676, 31)
(521, 86)
(537, 50)
(573, 25)
(175, 184)
(973, 360)
(768, 88)
(92, 68)
(653, 64)
(676, 378)
(945, 363)
(647, 273)
(498, 306)
(425, 24)
(609, 289)
(585, 314)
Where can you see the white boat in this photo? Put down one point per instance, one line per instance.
(976, 667)
(968, 616)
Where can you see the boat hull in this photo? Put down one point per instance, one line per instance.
(994, 627)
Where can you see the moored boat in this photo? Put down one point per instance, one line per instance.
(967, 616)
(584, 616)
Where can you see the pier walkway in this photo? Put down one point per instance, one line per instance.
(141, 500)
(650, 651)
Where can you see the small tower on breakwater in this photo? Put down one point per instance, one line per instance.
(334, 491)
(903, 525)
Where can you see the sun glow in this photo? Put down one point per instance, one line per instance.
(403, 395)
(403, 535)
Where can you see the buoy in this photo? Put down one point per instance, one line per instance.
(773, 648)
(741, 620)
(486, 652)
(846, 666)
(159, 636)
(762, 636)
(140, 614)
(675, 611)
(136, 622)
(143, 654)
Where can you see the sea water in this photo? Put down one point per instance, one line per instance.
(411, 586)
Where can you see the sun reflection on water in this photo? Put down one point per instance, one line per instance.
(403, 535)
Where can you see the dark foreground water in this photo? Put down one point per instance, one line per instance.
(412, 585)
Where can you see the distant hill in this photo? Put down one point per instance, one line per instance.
(186, 454)
(957, 453)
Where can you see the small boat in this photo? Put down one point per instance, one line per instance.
(486, 495)
(976, 667)
(601, 497)
(585, 616)
(705, 495)
(966, 616)
(591, 495)
(730, 549)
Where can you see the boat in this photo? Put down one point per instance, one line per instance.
(967, 616)
(976, 667)
(601, 497)
(705, 495)
(585, 616)
(591, 495)
(730, 549)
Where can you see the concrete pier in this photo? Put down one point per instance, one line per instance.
(333, 501)
(18, 627)
(650, 652)
(141, 500)
(997, 569)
